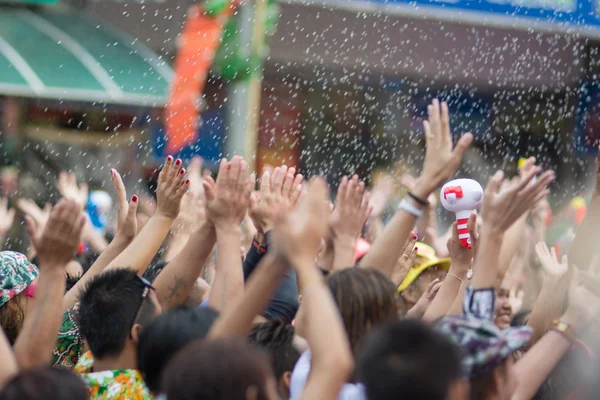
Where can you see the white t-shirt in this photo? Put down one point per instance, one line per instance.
(350, 391)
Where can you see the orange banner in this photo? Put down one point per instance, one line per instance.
(198, 44)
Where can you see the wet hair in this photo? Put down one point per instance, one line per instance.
(408, 360)
(217, 369)
(365, 298)
(45, 383)
(12, 317)
(166, 335)
(109, 306)
(277, 339)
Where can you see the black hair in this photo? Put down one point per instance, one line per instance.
(45, 383)
(166, 335)
(229, 368)
(277, 338)
(408, 360)
(109, 306)
(521, 318)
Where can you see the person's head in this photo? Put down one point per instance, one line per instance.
(113, 309)
(166, 335)
(277, 339)
(229, 369)
(503, 306)
(427, 267)
(488, 354)
(409, 360)
(45, 383)
(17, 286)
(365, 298)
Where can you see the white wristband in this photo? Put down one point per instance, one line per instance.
(409, 208)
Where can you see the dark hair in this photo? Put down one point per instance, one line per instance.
(521, 318)
(108, 309)
(408, 360)
(45, 383)
(277, 339)
(365, 298)
(166, 335)
(217, 369)
(481, 385)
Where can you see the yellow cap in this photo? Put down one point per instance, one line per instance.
(427, 258)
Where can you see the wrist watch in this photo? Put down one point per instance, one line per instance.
(564, 329)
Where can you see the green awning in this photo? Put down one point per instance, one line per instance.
(66, 55)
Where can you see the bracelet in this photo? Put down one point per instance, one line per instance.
(454, 276)
(564, 329)
(419, 200)
(409, 208)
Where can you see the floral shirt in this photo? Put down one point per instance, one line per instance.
(117, 384)
(69, 344)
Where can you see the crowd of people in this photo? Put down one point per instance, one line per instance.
(324, 301)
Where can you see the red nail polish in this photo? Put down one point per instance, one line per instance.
(414, 237)
(169, 158)
(182, 171)
(416, 249)
(134, 198)
(187, 181)
(177, 162)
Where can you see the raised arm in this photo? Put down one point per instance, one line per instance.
(461, 259)
(172, 185)
(441, 161)
(126, 231)
(499, 212)
(540, 360)
(227, 201)
(56, 246)
(347, 220)
(550, 301)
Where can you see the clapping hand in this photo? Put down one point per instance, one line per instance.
(553, 268)
(172, 185)
(228, 198)
(351, 210)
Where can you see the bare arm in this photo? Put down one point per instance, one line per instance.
(8, 366)
(238, 319)
(56, 246)
(441, 161)
(227, 201)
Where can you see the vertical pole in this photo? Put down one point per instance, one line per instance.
(243, 109)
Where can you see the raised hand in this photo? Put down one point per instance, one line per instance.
(406, 261)
(38, 215)
(351, 210)
(549, 261)
(172, 185)
(425, 300)
(442, 159)
(126, 212)
(298, 234)
(278, 191)
(67, 186)
(502, 208)
(228, 198)
(460, 255)
(380, 195)
(7, 217)
(59, 240)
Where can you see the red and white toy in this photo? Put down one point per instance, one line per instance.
(462, 196)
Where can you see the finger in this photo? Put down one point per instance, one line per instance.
(298, 180)
(196, 166)
(119, 187)
(242, 178)
(463, 144)
(234, 171)
(288, 184)
(31, 231)
(175, 170)
(277, 180)
(359, 193)
(528, 177)
(410, 243)
(254, 200)
(455, 231)
(411, 257)
(340, 197)
(445, 121)
(166, 170)
(432, 284)
(427, 129)
(472, 226)
(222, 174)
(209, 188)
(436, 288)
(494, 183)
(351, 191)
(249, 186)
(178, 180)
(78, 228)
(296, 193)
(434, 118)
(133, 205)
(265, 184)
(553, 254)
(183, 189)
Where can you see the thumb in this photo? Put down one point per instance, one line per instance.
(209, 189)
(463, 143)
(31, 231)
